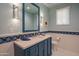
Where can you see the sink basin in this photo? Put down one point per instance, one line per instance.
(24, 38)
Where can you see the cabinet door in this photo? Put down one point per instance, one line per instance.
(45, 47)
(49, 46)
(27, 52)
(37, 50)
(41, 48)
(34, 50)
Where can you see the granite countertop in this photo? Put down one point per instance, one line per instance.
(34, 40)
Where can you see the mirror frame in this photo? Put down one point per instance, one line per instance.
(23, 18)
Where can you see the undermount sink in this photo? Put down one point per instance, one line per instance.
(25, 39)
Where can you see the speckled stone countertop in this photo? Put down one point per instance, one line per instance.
(34, 40)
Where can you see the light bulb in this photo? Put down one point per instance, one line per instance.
(28, 7)
(41, 15)
(15, 20)
(41, 24)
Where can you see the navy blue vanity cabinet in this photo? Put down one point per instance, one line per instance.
(43, 48)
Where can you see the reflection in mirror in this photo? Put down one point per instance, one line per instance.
(31, 17)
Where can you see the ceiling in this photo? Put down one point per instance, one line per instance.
(49, 5)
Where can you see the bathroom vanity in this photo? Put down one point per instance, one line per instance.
(37, 46)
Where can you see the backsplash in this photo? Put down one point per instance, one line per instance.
(14, 37)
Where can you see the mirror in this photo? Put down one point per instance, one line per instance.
(30, 17)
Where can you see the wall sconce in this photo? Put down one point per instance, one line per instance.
(15, 11)
(41, 19)
(43, 22)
